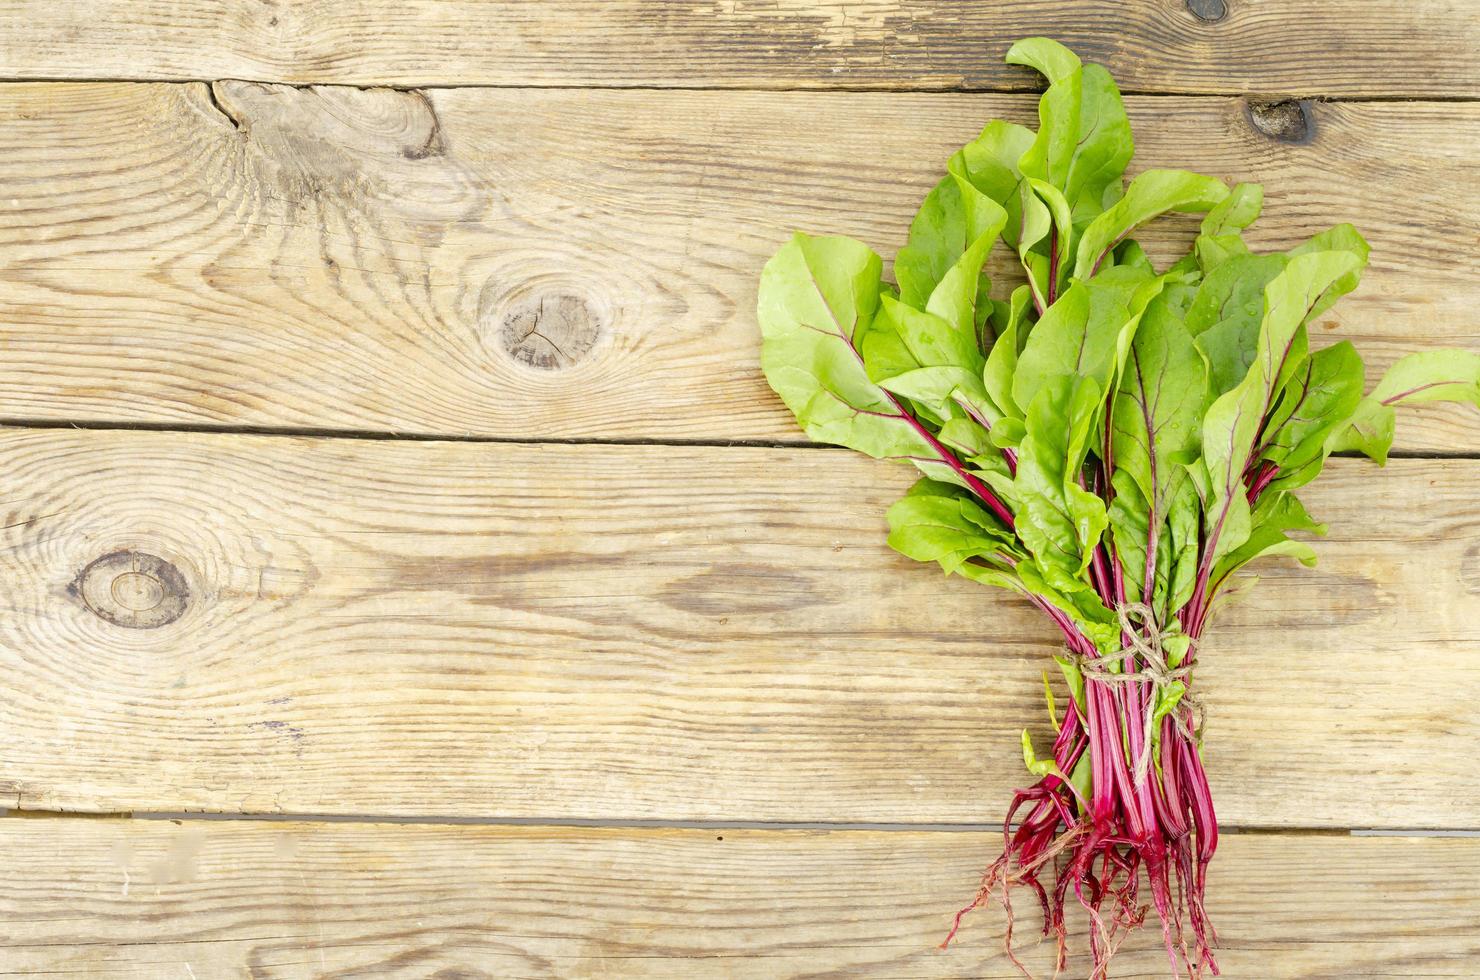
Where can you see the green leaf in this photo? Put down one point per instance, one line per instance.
(1052, 152)
(1000, 578)
(1235, 212)
(816, 296)
(940, 523)
(1211, 251)
(1220, 240)
(1321, 396)
(1276, 514)
(1104, 146)
(1130, 529)
(1158, 410)
(937, 241)
(1432, 376)
(1039, 767)
(1083, 335)
(1073, 677)
(1428, 376)
(1184, 529)
(1341, 238)
(1130, 255)
(1155, 431)
(1059, 522)
(1082, 778)
(1084, 139)
(941, 389)
(1063, 233)
(1074, 165)
(1014, 312)
(1369, 431)
(1152, 193)
(1008, 433)
(965, 436)
(956, 296)
(903, 338)
(1175, 644)
(1234, 421)
(950, 237)
(1053, 708)
(990, 162)
(1226, 313)
(1046, 56)
(1055, 347)
(1002, 360)
(1034, 225)
(1167, 699)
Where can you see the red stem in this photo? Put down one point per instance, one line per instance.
(973, 482)
(1053, 263)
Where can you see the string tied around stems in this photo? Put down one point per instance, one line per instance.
(1145, 642)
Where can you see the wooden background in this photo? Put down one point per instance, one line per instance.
(398, 531)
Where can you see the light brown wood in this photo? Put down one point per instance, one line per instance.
(1303, 47)
(462, 634)
(144, 900)
(545, 264)
(251, 623)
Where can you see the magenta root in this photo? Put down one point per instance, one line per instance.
(1100, 851)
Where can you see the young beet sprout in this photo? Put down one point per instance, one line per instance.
(1111, 441)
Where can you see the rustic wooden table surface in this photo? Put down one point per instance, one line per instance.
(403, 552)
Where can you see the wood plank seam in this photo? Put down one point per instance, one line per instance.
(1028, 88)
(370, 435)
(597, 823)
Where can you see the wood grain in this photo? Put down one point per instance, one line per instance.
(373, 627)
(143, 900)
(1303, 47)
(540, 264)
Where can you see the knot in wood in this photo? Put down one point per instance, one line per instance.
(1289, 121)
(550, 331)
(1210, 11)
(132, 589)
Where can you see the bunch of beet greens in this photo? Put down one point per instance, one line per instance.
(1110, 441)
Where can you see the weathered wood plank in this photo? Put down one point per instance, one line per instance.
(538, 264)
(357, 627)
(561, 264)
(272, 901)
(1307, 47)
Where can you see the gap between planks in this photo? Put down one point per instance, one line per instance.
(372, 435)
(182, 816)
(1248, 94)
